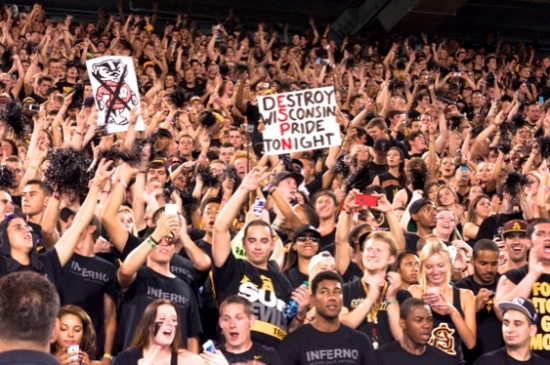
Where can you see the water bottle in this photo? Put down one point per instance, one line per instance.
(292, 307)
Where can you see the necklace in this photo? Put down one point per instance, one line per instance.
(372, 316)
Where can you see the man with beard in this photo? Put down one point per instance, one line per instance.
(423, 213)
(516, 245)
(325, 340)
(483, 283)
(518, 328)
(412, 348)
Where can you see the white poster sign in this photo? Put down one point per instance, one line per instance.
(299, 121)
(116, 92)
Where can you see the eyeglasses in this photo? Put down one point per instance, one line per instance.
(305, 238)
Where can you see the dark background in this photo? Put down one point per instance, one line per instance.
(516, 20)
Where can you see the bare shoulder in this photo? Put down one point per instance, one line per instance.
(416, 291)
(466, 294)
(188, 358)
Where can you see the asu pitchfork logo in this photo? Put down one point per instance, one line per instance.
(442, 338)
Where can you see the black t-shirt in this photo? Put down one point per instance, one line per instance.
(411, 239)
(390, 184)
(487, 322)
(309, 346)
(26, 357)
(393, 354)
(315, 185)
(64, 87)
(354, 294)
(149, 286)
(46, 263)
(490, 225)
(258, 352)
(84, 283)
(253, 116)
(295, 277)
(540, 293)
(375, 169)
(38, 99)
(198, 90)
(327, 239)
(500, 357)
(204, 290)
(268, 291)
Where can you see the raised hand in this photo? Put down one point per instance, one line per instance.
(254, 178)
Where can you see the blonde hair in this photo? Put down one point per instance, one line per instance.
(429, 250)
(128, 210)
(384, 237)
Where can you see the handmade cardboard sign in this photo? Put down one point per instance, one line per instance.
(116, 92)
(299, 121)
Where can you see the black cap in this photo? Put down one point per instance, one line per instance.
(162, 132)
(303, 229)
(382, 145)
(419, 204)
(522, 305)
(285, 175)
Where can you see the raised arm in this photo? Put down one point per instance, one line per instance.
(342, 254)
(138, 257)
(221, 240)
(67, 243)
(111, 223)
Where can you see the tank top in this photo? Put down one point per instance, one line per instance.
(390, 184)
(444, 334)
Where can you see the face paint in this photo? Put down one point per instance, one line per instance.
(157, 327)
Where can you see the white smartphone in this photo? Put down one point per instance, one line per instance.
(73, 350)
(171, 209)
(208, 346)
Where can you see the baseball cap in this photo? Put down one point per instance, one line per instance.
(515, 226)
(419, 204)
(382, 145)
(522, 305)
(303, 229)
(285, 175)
(162, 132)
(317, 259)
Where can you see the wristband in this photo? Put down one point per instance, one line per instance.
(224, 200)
(56, 197)
(142, 172)
(105, 191)
(124, 185)
(107, 356)
(388, 303)
(299, 319)
(34, 167)
(79, 133)
(151, 242)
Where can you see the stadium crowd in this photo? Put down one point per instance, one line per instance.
(424, 236)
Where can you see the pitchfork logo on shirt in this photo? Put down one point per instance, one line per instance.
(442, 338)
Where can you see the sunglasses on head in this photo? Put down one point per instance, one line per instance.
(305, 238)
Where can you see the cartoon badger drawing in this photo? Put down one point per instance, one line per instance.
(111, 74)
